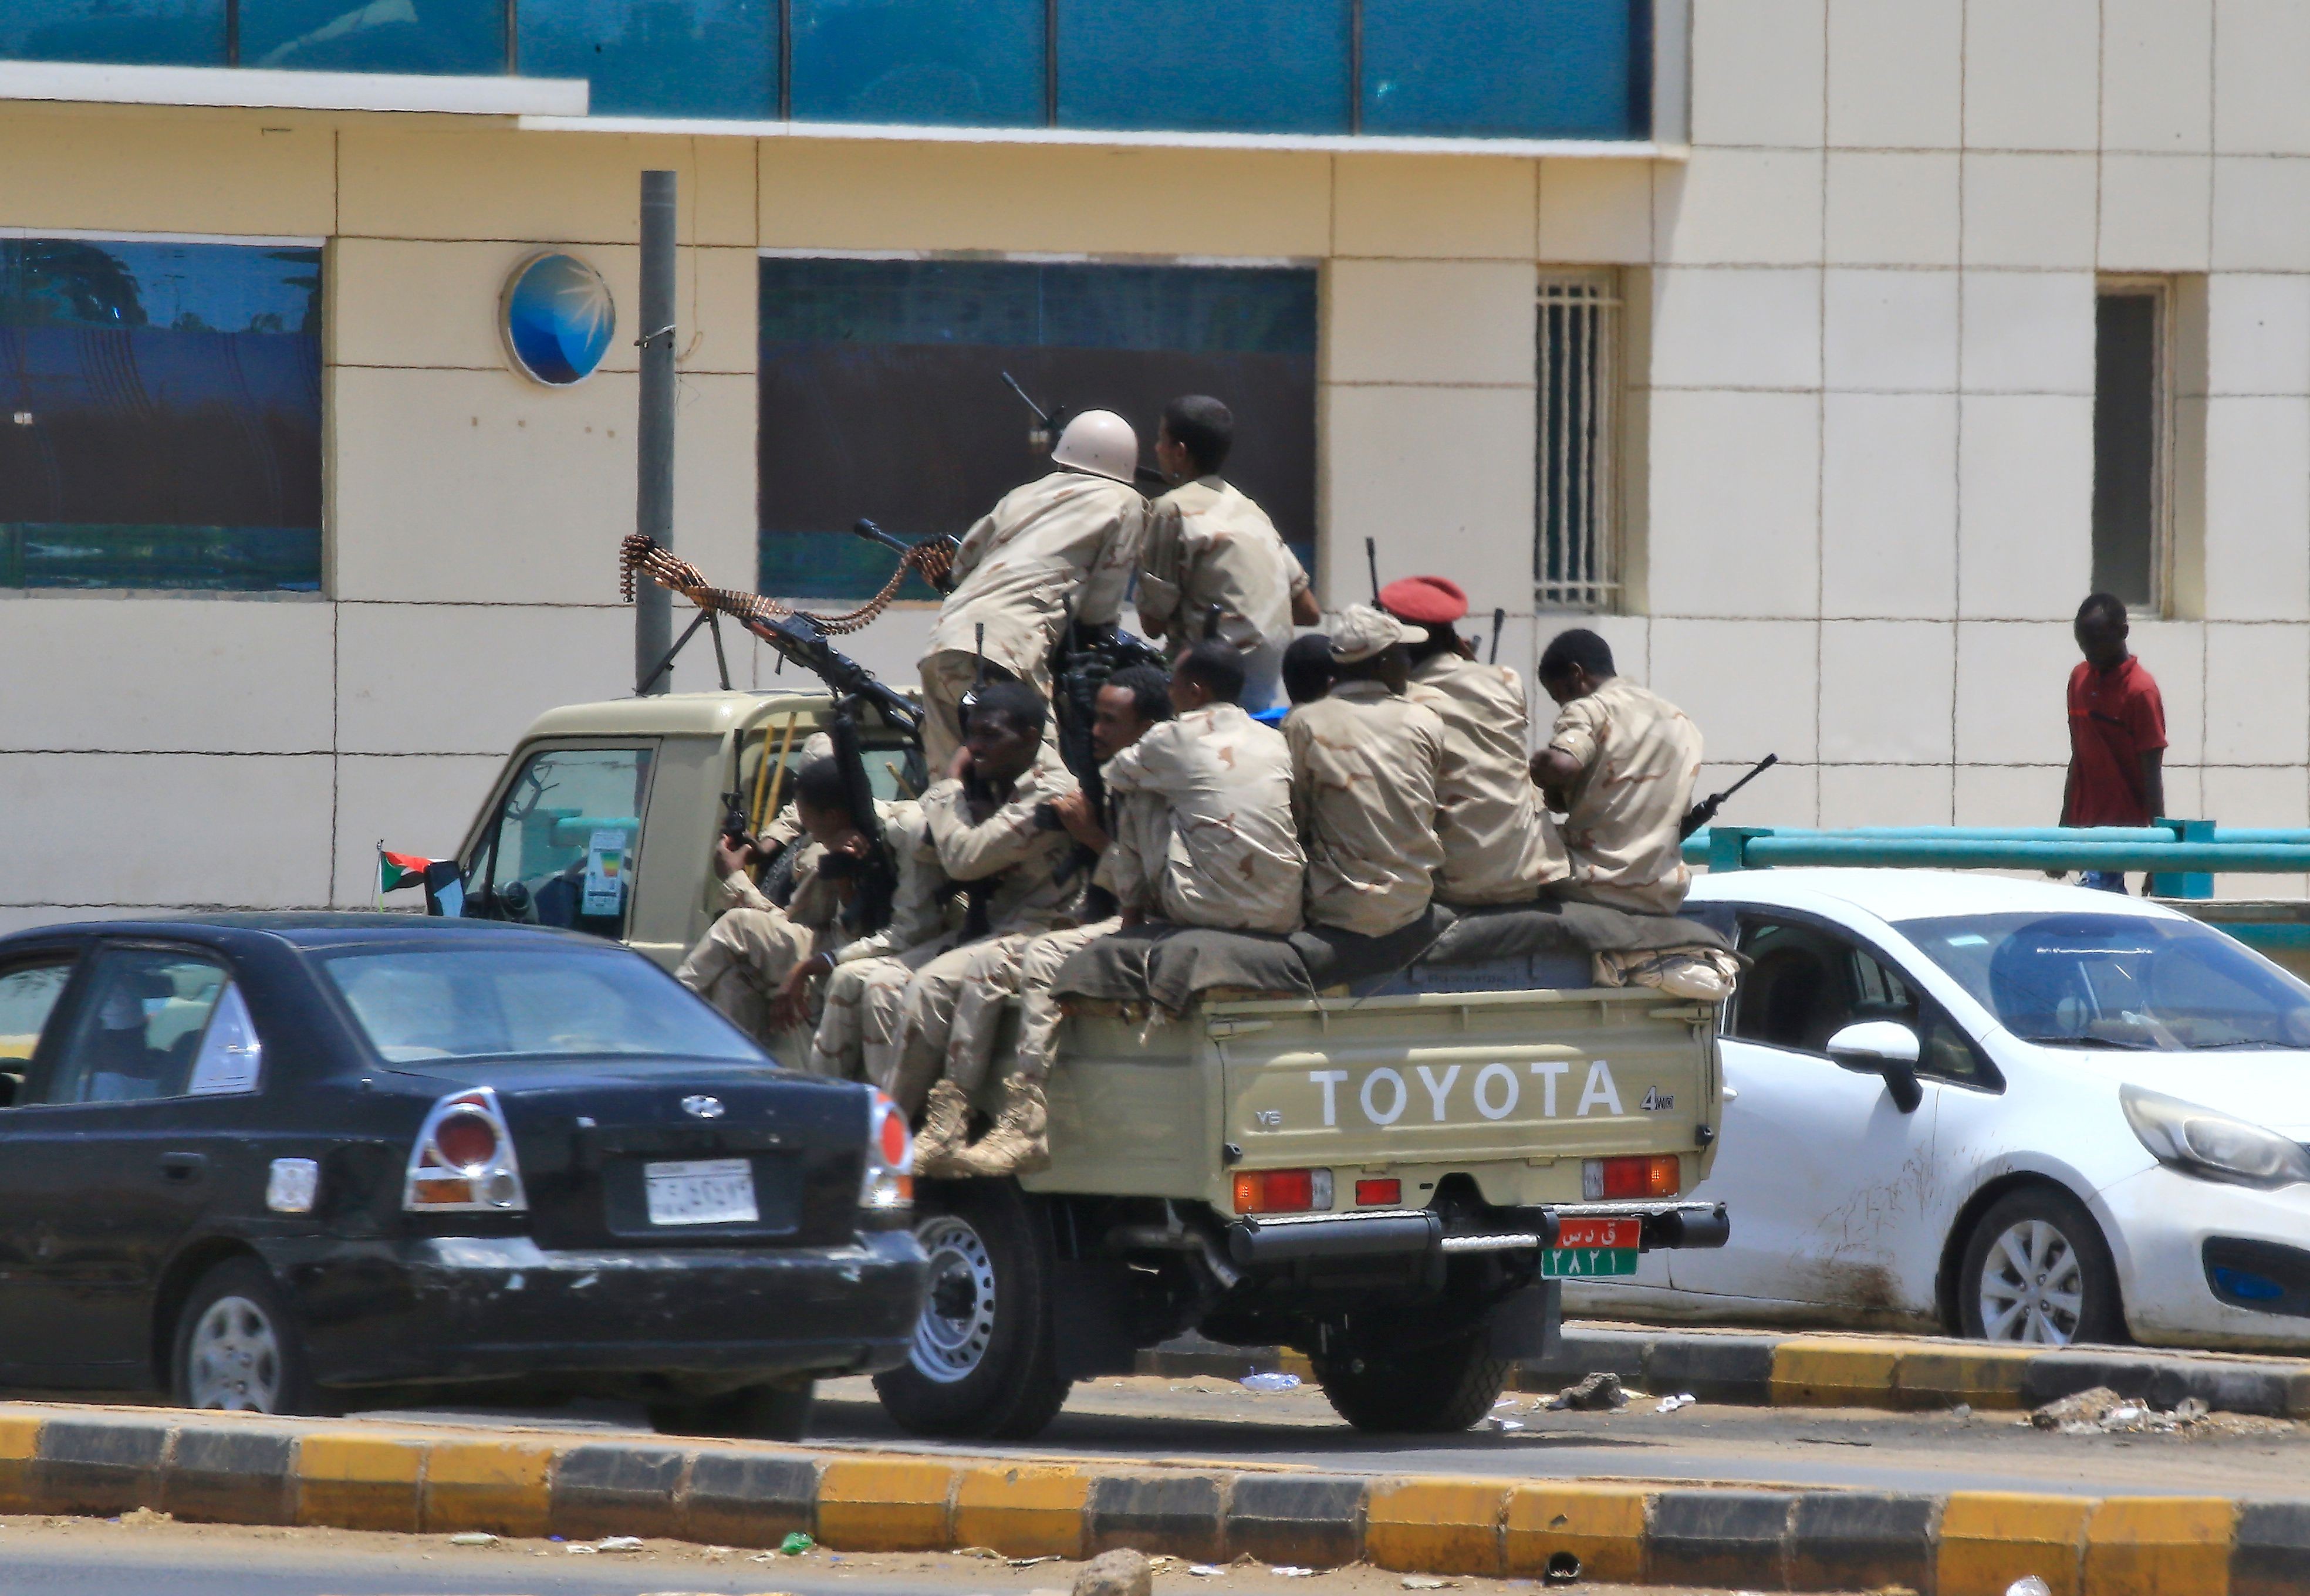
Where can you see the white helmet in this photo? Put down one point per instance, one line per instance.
(1100, 442)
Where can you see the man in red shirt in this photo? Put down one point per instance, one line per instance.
(2117, 733)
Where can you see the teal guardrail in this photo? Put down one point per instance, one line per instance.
(2183, 857)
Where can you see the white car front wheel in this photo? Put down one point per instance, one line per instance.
(2036, 1271)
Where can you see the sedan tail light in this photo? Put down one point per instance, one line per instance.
(464, 1160)
(890, 1181)
(1614, 1179)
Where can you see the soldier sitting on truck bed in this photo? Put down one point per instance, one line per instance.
(1130, 702)
(983, 827)
(1500, 846)
(741, 962)
(1366, 764)
(756, 962)
(1619, 764)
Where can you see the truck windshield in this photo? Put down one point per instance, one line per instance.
(2117, 981)
(561, 851)
(496, 1002)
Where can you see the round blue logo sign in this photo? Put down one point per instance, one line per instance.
(556, 318)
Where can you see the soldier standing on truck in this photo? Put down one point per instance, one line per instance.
(1500, 846)
(1129, 703)
(1367, 763)
(1619, 766)
(1058, 549)
(1213, 565)
(984, 825)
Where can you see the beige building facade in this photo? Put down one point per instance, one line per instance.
(1841, 491)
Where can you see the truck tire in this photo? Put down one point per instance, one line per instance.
(1422, 1389)
(984, 1363)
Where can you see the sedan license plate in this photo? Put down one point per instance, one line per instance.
(1589, 1249)
(700, 1192)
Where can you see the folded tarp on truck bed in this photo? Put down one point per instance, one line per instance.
(1545, 945)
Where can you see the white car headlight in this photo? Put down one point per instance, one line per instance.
(2213, 1146)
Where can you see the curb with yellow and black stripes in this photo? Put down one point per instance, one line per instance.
(380, 1475)
(1853, 1371)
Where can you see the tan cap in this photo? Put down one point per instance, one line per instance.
(1362, 631)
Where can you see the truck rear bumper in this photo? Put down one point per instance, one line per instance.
(1409, 1233)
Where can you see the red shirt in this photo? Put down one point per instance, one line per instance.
(2115, 716)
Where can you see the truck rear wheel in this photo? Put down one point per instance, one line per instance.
(1400, 1385)
(984, 1363)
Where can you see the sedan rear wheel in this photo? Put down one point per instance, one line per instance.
(2036, 1271)
(238, 1348)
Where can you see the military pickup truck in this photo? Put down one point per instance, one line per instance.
(1393, 1182)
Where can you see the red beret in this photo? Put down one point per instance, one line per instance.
(1431, 601)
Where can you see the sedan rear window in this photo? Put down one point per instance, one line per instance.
(488, 1003)
(2118, 981)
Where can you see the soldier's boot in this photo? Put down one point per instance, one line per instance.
(946, 1117)
(1019, 1143)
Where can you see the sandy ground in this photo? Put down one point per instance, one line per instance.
(147, 1554)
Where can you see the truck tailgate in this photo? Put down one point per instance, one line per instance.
(1465, 1078)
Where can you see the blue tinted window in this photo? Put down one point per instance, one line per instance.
(1272, 66)
(160, 415)
(1535, 68)
(882, 392)
(658, 57)
(137, 32)
(975, 62)
(429, 36)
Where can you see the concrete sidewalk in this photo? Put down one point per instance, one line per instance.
(1851, 1371)
(390, 1474)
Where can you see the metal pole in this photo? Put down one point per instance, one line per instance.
(654, 436)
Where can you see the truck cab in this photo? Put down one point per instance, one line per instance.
(1392, 1178)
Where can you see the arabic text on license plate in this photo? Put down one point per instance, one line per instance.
(1581, 1263)
(1623, 1234)
(702, 1192)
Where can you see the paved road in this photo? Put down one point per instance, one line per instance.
(67, 1557)
(1213, 1420)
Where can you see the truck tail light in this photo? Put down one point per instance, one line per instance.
(1283, 1191)
(1614, 1179)
(464, 1160)
(890, 1181)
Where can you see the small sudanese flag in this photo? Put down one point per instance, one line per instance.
(397, 871)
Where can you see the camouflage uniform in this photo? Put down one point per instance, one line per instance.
(1209, 548)
(1226, 853)
(1060, 546)
(1500, 846)
(858, 1022)
(1639, 758)
(1366, 766)
(1022, 862)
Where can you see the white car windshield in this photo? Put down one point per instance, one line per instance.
(2117, 981)
(496, 1002)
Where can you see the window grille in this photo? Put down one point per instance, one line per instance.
(1576, 554)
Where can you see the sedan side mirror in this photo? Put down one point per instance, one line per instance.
(1884, 1048)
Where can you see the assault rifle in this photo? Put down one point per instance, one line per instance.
(1701, 813)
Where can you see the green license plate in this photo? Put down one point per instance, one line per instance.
(1587, 1264)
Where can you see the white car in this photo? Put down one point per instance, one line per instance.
(2003, 1108)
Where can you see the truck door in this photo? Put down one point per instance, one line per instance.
(563, 844)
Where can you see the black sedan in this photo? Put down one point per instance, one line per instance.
(290, 1162)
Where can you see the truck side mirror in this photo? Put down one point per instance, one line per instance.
(1883, 1048)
